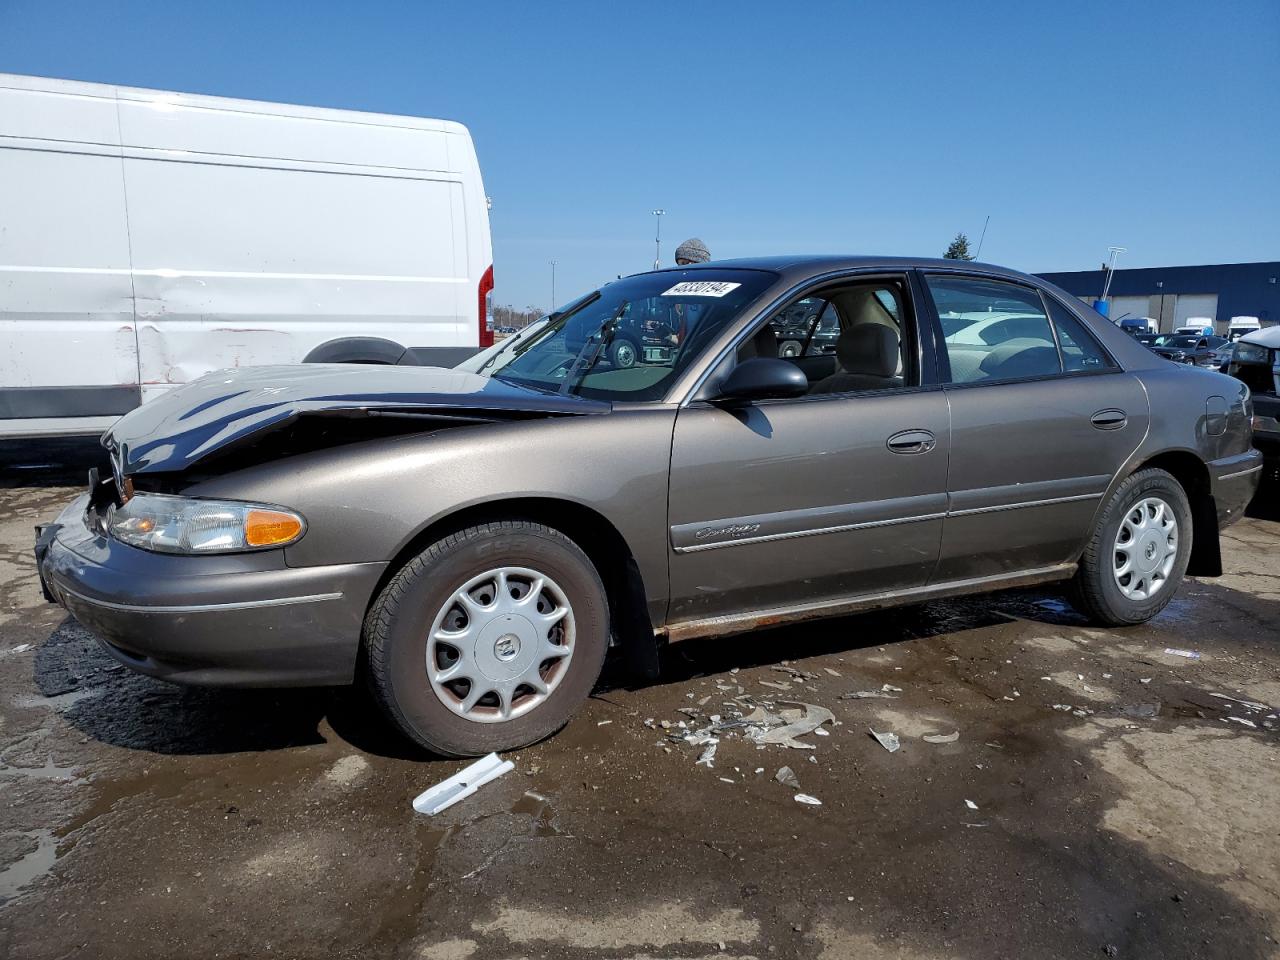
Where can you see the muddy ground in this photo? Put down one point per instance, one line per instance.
(1098, 801)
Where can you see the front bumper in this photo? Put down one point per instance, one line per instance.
(234, 620)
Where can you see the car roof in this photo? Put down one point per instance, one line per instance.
(799, 266)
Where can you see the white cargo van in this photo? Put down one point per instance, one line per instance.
(1237, 327)
(1200, 326)
(147, 238)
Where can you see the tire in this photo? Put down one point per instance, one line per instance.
(623, 354)
(790, 348)
(1100, 589)
(422, 604)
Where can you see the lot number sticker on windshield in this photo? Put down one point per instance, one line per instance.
(702, 288)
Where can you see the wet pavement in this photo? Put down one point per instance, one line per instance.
(1098, 800)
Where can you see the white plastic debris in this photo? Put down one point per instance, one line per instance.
(601, 723)
(708, 755)
(834, 673)
(805, 798)
(971, 805)
(941, 737)
(1243, 722)
(21, 648)
(887, 740)
(461, 785)
(1189, 654)
(799, 722)
(1248, 704)
(1144, 679)
(786, 776)
(867, 695)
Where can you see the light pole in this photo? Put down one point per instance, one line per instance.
(553, 286)
(1106, 286)
(657, 240)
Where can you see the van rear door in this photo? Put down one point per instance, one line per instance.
(68, 348)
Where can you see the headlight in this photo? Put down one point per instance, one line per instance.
(1250, 353)
(166, 524)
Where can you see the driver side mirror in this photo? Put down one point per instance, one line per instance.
(763, 378)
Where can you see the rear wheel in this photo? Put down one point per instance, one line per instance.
(1138, 553)
(489, 639)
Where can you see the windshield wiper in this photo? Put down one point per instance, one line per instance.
(516, 341)
(591, 350)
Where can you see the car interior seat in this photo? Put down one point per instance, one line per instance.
(1022, 357)
(869, 359)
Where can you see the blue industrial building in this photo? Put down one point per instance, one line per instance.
(1172, 295)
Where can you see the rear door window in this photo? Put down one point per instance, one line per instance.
(993, 331)
(1081, 351)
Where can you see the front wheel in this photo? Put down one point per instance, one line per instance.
(489, 639)
(623, 354)
(1138, 553)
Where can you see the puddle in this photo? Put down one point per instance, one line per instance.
(31, 867)
(539, 808)
(60, 701)
(49, 771)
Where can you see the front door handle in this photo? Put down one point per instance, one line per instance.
(1111, 419)
(912, 441)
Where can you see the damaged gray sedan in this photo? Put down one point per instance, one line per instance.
(469, 542)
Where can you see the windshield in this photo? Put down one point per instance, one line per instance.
(629, 339)
(492, 356)
(1177, 341)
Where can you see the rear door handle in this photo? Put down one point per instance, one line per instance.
(1111, 419)
(912, 441)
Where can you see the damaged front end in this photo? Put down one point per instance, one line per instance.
(179, 561)
(223, 416)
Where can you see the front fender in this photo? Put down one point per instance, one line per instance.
(366, 501)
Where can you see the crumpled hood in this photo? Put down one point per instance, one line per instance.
(225, 407)
(1266, 337)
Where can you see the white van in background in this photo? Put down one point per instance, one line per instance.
(1198, 326)
(1237, 327)
(148, 238)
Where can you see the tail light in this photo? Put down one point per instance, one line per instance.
(486, 309)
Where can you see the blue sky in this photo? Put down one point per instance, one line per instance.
(766, 127)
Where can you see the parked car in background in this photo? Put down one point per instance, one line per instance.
(810, 329)
(1188, 348)
(470, 541)
(1197, 325)
(1221, 358)
(254, 233)
(1256, 361)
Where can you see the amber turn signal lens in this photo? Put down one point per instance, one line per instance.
(266, 528)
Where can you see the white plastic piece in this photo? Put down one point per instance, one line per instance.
(461, 785)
